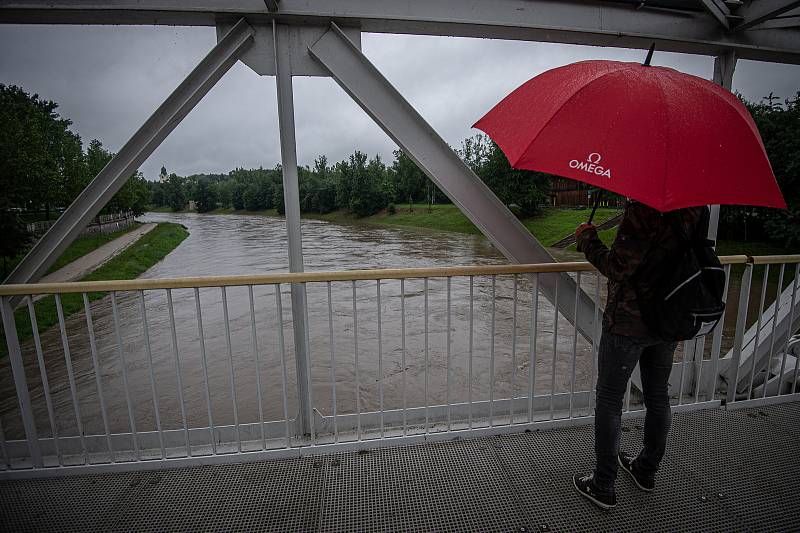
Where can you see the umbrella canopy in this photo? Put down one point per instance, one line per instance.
(664, 138)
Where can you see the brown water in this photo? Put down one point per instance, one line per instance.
(225, 245)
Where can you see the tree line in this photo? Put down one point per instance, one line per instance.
(779, 124)
(44, 167)
(364, 186)
(359, 184)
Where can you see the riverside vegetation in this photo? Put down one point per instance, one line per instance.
(131, 263)
(367, 188)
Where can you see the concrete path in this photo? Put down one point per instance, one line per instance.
(97, 258)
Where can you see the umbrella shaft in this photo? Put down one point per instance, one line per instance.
(594, 207)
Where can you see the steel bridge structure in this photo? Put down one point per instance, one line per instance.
(287, 38)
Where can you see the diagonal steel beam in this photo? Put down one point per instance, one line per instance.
(719, 11)
(387, 107)
(757, 12)
(114, 175)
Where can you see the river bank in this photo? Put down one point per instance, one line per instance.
(549, 227)
(148, 250)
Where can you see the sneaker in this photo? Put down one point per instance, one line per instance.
(585, 486)
(626, 463)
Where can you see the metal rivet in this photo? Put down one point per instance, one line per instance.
(544, 527)
(721, 496)
(703, 498)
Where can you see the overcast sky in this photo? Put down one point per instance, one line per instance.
(108, 80)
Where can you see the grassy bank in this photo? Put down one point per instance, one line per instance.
(88, 243)
(79, 247)
(551, 226)
(131, 263)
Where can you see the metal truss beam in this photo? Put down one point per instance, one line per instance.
(114, 175)
(763, 10)
(564, 21)
(789, 20)
(387, 107)
(719, 11)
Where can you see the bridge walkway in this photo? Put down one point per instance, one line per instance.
(731, 470)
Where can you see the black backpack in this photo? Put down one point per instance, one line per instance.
(685, 294)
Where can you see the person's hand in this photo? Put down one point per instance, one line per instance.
(583, 227)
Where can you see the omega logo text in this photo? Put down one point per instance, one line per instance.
(591, 165)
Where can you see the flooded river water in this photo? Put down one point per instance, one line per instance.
(488, 349)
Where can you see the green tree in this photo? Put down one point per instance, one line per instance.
(525, 190)
(409, 181)
(237, 195)
(175, 195)
(779, 126)
(14, 237)
(367, 185)
(204, 196)
(39, 152)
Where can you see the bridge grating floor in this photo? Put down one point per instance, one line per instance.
(724, 471)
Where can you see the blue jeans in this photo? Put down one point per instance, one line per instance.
(617, 357)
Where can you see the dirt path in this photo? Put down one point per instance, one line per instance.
(95, 259)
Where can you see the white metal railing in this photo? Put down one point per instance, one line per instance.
(150, 373)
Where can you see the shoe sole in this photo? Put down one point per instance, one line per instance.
(604, 506)
(630, 473)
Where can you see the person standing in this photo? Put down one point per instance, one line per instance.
(644, 241)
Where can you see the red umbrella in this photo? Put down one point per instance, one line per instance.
(664, 138)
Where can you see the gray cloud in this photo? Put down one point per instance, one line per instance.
(109, 79)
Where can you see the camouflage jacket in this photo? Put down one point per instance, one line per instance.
(641, 229)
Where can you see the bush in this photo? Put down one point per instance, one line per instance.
(392, 209)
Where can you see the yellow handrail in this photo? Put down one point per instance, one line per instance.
(318, 277)
(775, 259)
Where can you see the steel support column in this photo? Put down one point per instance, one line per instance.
(724, 65)
(381, 101)
(114, 175)
(291, 199)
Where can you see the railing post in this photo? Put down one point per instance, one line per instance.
(20, 381)
(741, 323)
(291, 198)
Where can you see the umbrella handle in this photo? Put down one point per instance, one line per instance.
(596, 203)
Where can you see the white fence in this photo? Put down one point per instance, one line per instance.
(153, 373)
